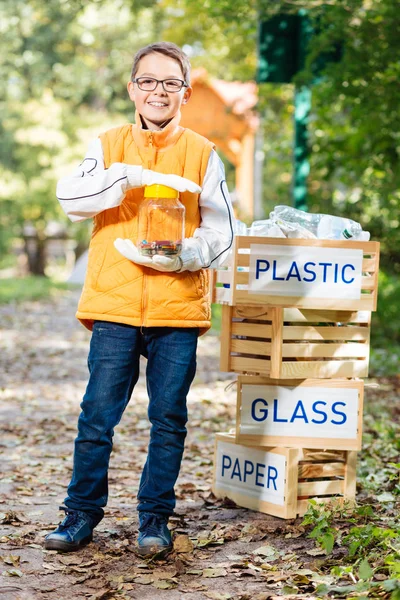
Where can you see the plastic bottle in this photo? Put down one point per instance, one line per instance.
(340, 228)
(161, 222)
(240, 227)
(297, 218)
(266, 227)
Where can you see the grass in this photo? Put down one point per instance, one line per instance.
(29, 288)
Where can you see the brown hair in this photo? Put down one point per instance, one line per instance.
(168, 49)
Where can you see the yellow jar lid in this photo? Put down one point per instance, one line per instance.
(160, 191)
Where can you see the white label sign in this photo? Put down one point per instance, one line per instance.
(256, 473)
(301, 271)
(313, 412)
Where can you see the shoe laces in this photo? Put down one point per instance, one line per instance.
(71, 518)
(152, 524)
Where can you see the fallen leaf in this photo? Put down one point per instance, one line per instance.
(12, 560)
(217, 596)
(316, 552)
(70, 560)
(182, 543)
(288, 590)
(100, 594)
(166, 573)
(268, 551)
(11, 517)
(13, 573)
(163, 585)
(144, 579)
(194, 572)
(214, 572)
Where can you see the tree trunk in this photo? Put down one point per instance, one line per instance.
(35, 248)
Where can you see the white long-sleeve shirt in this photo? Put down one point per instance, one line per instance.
(91, 188)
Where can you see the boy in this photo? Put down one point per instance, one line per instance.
(137, 305)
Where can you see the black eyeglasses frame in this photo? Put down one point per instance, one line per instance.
(162, 81)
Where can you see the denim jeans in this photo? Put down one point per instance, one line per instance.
(113, 362)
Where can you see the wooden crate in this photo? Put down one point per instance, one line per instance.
(316, 413)
(281, 481)
(292, 343)
(327, 274)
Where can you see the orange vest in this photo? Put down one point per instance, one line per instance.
(119, 290)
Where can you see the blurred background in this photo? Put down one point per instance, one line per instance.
(301, 99)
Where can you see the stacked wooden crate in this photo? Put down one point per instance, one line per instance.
(296, 319)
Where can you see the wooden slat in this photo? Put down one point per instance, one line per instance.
(291, 483)
(308, 455)
(366, 302)
(251, 347)
(376, 281)
(326, 316)
(243, 259)
(242, 278)
(225, 351)
(267, 441)
(276, 342)
(261, 313)
(252, 330)
(368, 283)
(323, 369)
(320, 488)
(350, 476)
(351, 333)
(369, 264)
(334, 383)
(314, 470)
(245, 241)
(240, 364)
(317, 350)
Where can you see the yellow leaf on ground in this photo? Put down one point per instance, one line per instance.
(214, 572)
(182, 543)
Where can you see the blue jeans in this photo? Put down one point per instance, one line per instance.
(113, 362)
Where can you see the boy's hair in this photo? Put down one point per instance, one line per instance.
(168, 49)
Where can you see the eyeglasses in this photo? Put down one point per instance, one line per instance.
(149, 84)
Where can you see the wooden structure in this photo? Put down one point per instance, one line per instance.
(223, 111)
(292, 343)
(310, 413)
(233, 282)
(280, 481)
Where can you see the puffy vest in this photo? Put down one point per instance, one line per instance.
(117, 289)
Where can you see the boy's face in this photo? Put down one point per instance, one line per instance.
(158, 106)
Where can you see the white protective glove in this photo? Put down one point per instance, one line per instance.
(160, 263)
(143, 177)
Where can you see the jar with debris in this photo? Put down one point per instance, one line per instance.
(161, 222)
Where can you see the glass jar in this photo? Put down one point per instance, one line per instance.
(161, 222)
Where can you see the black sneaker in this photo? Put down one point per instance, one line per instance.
(154, 535)
(73, 533)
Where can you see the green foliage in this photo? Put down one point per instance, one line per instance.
(29, 288)
(321, 520)
(62, 69)
(216, 315)
(371, 548)
(385, 326)
(369, 532)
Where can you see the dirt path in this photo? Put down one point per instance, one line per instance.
(43, 366)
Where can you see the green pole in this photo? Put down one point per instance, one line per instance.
(302, 107)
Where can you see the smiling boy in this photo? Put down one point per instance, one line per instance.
(136, 305)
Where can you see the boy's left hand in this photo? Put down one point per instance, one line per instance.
(160, 263)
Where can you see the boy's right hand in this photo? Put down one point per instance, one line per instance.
(173, 181)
